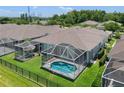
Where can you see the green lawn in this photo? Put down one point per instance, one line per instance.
(86, 78)
(11, 79)
(98, 81)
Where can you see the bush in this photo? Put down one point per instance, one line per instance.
(109, 39)
(19, 22)
(52, 22)
(102, 60)
(108, 49)
(112, 26)
(67, 25)
(117, 35)
(101, 53)
(4, 20)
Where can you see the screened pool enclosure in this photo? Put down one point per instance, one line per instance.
(114, 73)
(67, 60)
(25, 50)
(6, 46)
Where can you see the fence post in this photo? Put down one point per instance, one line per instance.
(22, 71)
(57, 84)
(29, 74)
(0, 61)
(5, 63)
(10, 66)
(46, 83)
(37, 77)
(16, 69)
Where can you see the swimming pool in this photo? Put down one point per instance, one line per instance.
(63, 67)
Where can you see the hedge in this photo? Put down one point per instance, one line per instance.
(101, 53)
(103, 59)
(97, 81)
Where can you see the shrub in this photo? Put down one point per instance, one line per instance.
(52, 22)
(19, 22)
(101, 53)
(117, 35)
(102, 60)
(112, 26)
(67, 25)
(109, 39)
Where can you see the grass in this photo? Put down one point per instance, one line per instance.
(88, 76)
(11, 79)
(85, 79)
(97, 82)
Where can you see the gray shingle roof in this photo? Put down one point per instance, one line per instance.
(90, 22)
(20, 32)
(118, 50)
(115, 68)
(85, 39)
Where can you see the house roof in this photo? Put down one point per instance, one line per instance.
(85, 39)
(90, 22)
(20, 32)
(122, 37)
(118, 50)
(115, 68)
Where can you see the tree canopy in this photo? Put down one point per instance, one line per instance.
(112, 26)
(75, 17)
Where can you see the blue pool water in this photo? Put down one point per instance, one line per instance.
(63, 67)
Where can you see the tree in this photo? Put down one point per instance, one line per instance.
(121, 19)
(112, 26)
(4, 20)
(117, 35)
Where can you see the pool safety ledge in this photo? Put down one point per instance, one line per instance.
(72, 75)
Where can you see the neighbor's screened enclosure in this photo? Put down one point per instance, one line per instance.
(114, 73)
(7, 42)
(25, 50)
(6, 45)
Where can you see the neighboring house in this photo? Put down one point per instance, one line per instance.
(100, 26)
(110, 34)
(77, 47)
(90, 23)
(114, 73)
(20, 33)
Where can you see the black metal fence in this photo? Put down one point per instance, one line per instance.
(29, 75)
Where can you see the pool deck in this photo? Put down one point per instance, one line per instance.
(71, 76)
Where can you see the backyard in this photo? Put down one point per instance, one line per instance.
(86, 78)
(9, 79)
